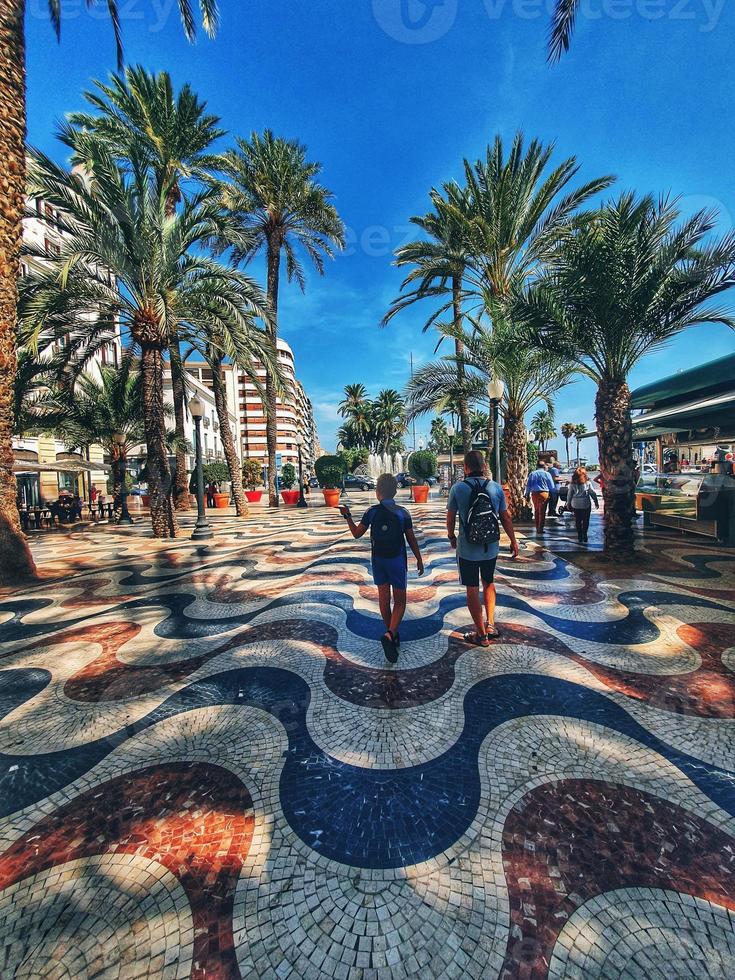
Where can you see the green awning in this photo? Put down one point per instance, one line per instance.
(704, 380)
(717, 411)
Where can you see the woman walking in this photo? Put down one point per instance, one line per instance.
(579, 501)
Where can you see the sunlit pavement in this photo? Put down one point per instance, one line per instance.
(208, 768)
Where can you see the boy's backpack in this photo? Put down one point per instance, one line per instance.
(482, 525)
(386, 533)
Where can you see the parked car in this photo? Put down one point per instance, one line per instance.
(404, 479)
(356, 482)
(313, 483)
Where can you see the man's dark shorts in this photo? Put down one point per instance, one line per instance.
(470, 572)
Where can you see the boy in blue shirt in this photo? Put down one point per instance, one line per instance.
(477, 561)
(390, 528)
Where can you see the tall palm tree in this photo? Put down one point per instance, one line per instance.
(619, 287)
(567, 431)
(355, 397)
(139, 116)
(521, 208)
(580, 431)
(542, 426)
(530, 377)
(273, 193)
(15, 558)
(440, 265)
(125, 259)
(389, 419)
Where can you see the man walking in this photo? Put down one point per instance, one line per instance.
(539, 488)
(555, 474)
(480, 504)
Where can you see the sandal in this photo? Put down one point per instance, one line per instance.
(390, 649)
(477, 639)
(492, 631)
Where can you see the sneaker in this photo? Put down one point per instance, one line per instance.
(390, 648)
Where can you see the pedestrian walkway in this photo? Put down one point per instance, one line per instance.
(207, 768)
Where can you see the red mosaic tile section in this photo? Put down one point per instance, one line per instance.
(195, 819)
(708, 692)
(566, 842)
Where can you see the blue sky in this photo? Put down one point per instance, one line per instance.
(390, 95)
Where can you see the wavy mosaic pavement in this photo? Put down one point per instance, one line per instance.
(208, 769)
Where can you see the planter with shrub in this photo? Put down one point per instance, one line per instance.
(252, 480)
(329, 472)
(421, 466)
(288, 478)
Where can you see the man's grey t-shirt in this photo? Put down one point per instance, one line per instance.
(459, 501)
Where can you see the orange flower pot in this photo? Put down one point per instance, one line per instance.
(331, 497)
(420, 494)
(221, 500)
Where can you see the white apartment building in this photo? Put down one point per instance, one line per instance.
(294, 413)
(43, 464)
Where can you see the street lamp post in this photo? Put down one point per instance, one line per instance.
(496, 390)
(302, 500)
(450, 432)
(202, 529)
(125, 517)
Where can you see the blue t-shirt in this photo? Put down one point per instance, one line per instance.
(540, 482)
(459, 502)
(403, 515)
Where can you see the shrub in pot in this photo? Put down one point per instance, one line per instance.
(329, 472)
(252, 479)
(288, 478)
(422, 465)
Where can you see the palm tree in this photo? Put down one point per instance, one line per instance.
(530, 377)
(542, 426)
(15, 558)
(389, 419)
(274, 195)
(440, 266)
(619, 287)
(580, 431)
(140, 116)
(100, 411)
(125, 259)
(567, 431)
(355, 397)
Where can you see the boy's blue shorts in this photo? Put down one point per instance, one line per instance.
(392, 571)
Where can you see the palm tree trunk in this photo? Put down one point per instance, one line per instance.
(465, 423)
(271, 395)
(566, 441)
(516, 461)
(163, 517)
(228, 441)
(181, 483)
(615, 435)
(16, 562)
